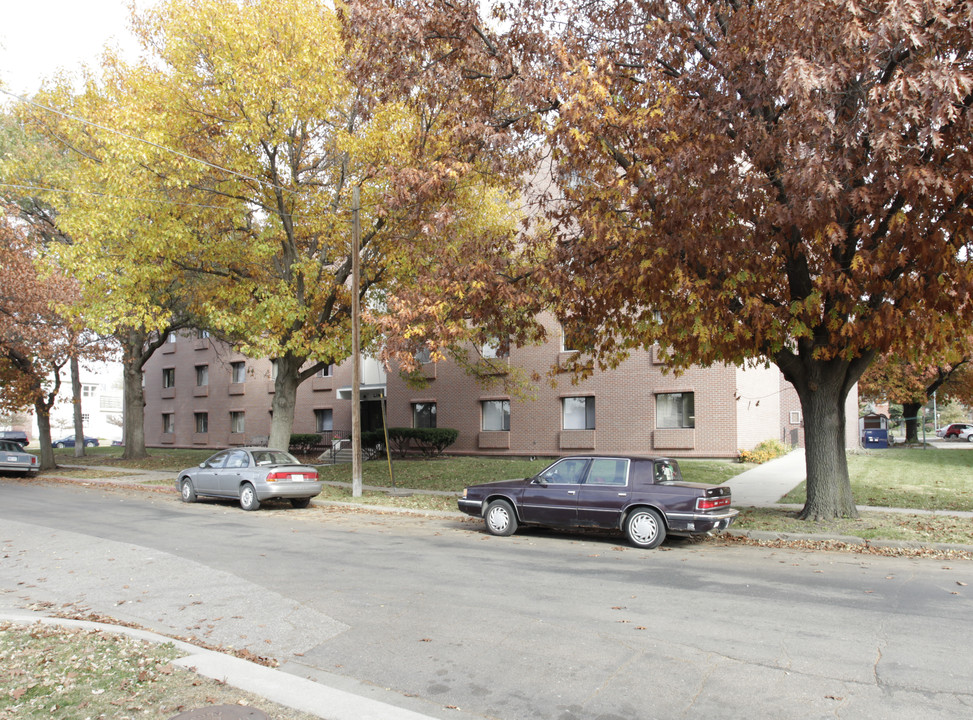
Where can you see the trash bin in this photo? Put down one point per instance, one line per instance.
(876, 439)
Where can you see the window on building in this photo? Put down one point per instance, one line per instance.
(202, 422)
(327, 371)
(578, 413)
(202, 375)
(496, 349)
(168, 377)
(675, 410)
(238, 370)
(273, 369)
(795, 417)
(574, 338)
(424, 415)
(324, 420)
(496, 415)
(424, 356)
(88, 391)
(85, 417)
(168, 423)
(237, 421)
(171, 338)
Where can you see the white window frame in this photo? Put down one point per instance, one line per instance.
(495, 415)
(582, 418)
(202, 375)
(671, 411)
(234, 366)
(238, 422)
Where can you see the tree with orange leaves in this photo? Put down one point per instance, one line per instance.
(783, 182)
(36, 340)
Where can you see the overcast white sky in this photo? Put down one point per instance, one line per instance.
(39, 37)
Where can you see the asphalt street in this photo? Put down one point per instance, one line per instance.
(434, 616)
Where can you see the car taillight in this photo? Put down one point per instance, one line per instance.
(705, 503)
(33, 460)
(275, 476)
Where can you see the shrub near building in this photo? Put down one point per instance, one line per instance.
(767, 450)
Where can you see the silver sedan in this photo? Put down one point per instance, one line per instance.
(14, 459)
(251, 475)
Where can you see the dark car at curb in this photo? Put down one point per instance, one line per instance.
(251, 475)
(644, 497)
(17, 436)
(68, 442)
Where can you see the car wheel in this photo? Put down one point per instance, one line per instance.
(248, 497)
(644, 528)
(500, 518)
(300, 503)
(59, 445)
(90, 443)
(970, 437)
(187, 491)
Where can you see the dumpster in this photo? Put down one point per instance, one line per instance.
(875, 438)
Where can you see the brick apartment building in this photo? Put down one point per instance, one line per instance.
(201, 393)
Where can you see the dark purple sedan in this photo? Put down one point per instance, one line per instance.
(644, 497)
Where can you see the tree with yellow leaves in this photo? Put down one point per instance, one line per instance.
(224, 162)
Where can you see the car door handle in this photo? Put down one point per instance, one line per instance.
(571, 492)
(622, 494)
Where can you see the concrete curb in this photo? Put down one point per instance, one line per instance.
(276, 686)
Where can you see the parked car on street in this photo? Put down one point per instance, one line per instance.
(966, 434)
(13, 459)
(68, 442)
(17, 436)
(953, 430)
(251, 475)
(644, 497)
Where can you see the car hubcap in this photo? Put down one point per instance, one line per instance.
(247, 497)
(499, 519)
(644, 528)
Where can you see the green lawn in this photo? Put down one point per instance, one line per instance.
(452, 474)
(932, 479)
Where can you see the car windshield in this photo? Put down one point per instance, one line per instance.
(274, 457)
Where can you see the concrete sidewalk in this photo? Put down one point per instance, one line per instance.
(766, 484)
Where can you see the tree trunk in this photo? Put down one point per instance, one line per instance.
(285, 400)
(133, 411)
(79, 449)
(43, 413)
(910, 412)
(823, 387)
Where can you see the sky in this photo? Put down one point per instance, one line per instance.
(39, 37)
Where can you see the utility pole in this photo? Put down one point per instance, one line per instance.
(356, 469)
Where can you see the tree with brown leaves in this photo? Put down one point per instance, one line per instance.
(36, 340)
(784, 182)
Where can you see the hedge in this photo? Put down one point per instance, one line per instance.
(429, 441)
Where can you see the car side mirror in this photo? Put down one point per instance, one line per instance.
(202, 464)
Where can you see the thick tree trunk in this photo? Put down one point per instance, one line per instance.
(43, 413)
(823, 387)
(285, 401)
(133, 412)
(910, 411)
(79, 449)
